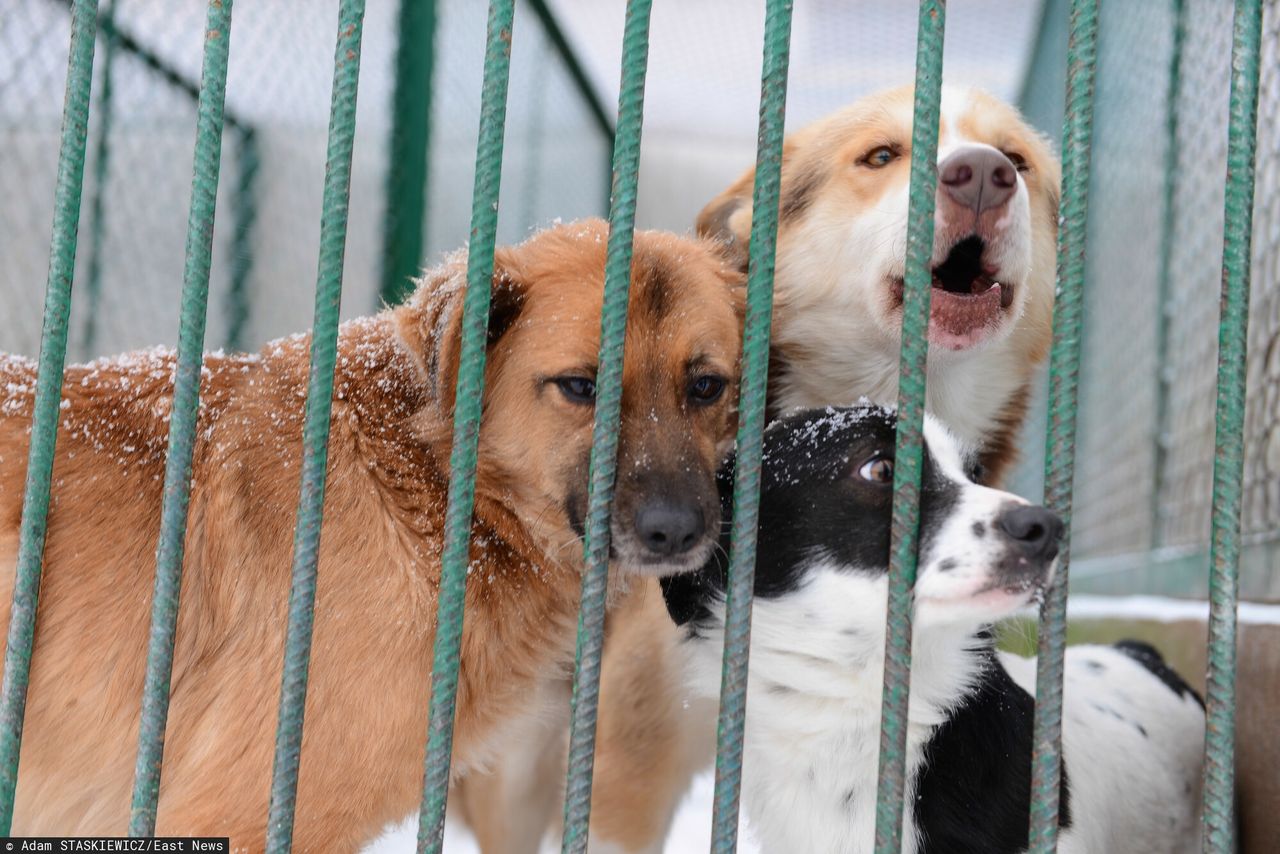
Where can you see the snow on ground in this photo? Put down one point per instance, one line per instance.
(1161, 609)
(690, 832)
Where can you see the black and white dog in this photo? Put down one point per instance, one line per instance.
(1133, 731)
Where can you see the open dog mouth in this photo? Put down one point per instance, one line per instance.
(967, 300)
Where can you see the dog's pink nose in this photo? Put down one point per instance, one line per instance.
(978, 177)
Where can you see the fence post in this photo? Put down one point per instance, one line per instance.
(908, 457)
(315, 428)
(1064, 365)
(44, 424)
(182, 421)
(604, 437)
(466, 427)
(1168, 219)
(751, 402)
(407, 169)
(244, 213)
(1228, 462)
(101, 174)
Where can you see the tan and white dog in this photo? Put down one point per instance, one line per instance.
(841, 254)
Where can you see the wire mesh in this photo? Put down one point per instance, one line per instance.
(1126, 506)
(277, 86)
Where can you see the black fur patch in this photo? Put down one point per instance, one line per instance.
(798, 192)
(973, 792)
(812, 501)
(1149, 657)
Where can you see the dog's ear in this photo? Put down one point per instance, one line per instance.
(431, 323)
(726, 220)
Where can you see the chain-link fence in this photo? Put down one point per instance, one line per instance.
(138, 172)
(1145, 453)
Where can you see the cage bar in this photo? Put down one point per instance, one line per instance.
(1164, 277)
(101, 174)
(44, 424)
(908, 454)
(182, 420)
(466, 427)
(407, 168)
(604, 438)
(315, 428)
(1064, 367)
(751, 412)
(1228, 463)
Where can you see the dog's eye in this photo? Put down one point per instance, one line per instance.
(976, 471)
(878, 158)
(706, 389)
(1019, 162)
(877, 470)
(577, 389)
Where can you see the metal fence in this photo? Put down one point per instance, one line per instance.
(1146, 443)
(1229, 422)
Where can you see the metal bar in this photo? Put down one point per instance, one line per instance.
(244, 214)
(604, 439)
(1064, 366)
(908, 455)
(182, 421)
(751, 412)
(44, 422)
(407, 167)
(101, 173)
(1228, 463)
(315, 428)
(466, 427)
(1164, 372)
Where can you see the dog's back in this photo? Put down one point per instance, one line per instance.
(1132, 737)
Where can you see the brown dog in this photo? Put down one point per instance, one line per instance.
(361, 763)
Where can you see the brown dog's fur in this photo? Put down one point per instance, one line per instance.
(361, 764)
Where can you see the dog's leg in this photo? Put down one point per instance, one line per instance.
(510, 807)
(651, 739)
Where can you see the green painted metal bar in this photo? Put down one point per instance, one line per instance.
(44, 423)
(1064, 366)
(407, 166)
(604, 438)
(909, 456)
(1228, 463)
(182, 421)
(315, 428)
(1164, 371)
(244, 215)
(751, 411)
(466, 427)
(101, 174)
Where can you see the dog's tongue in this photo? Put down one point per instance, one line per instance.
(956, 321)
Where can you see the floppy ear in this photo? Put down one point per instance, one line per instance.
(431, 323)
(726, 220)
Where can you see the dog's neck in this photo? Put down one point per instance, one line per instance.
(830, 352)
(813, 723)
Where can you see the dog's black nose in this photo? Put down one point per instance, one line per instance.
(669, 528)
(978, 177)
(1034, 531)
